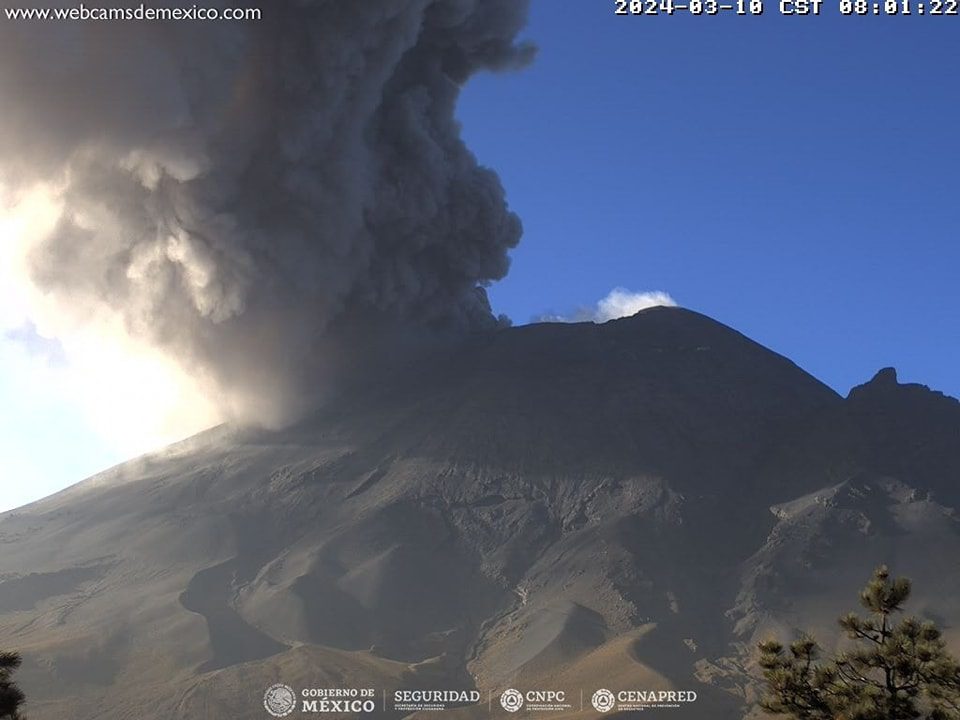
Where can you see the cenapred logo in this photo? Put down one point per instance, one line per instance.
(603, 700)
(511, 700)
(638, 700)
(280, 700)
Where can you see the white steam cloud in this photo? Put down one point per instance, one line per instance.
(623, 303)
(238, 211)
(619, 303)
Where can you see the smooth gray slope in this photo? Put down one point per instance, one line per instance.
(634, 503)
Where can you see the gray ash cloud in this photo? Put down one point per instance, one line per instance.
(255, 198)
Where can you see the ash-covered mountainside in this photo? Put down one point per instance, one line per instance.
(576, 506)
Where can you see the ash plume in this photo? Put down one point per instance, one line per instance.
(259, 199)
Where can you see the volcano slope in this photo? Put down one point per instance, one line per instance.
(630, 505)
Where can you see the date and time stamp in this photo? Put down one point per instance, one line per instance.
(787, 7)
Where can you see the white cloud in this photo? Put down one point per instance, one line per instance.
(619, 303)
(623, 303)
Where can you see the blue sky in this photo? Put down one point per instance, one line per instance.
(795, 178)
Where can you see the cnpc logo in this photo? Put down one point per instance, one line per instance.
(513, 700)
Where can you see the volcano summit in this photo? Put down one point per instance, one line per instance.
(627, 506)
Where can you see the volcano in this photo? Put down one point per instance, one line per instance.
(557, 507)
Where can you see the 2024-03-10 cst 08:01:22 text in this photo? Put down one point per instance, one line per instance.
(861, 8)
